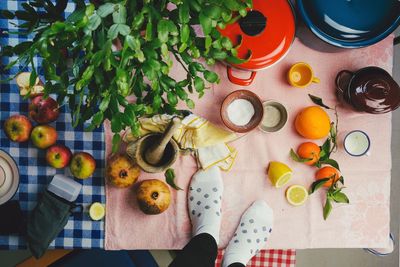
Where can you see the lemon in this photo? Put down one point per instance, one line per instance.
(97, 211)
(296, 195)
(279, 173)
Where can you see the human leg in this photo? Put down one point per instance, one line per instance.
(204, 201)
(251, 235)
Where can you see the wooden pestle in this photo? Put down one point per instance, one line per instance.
(154, 154)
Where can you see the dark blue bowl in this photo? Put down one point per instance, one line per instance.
(350, 23)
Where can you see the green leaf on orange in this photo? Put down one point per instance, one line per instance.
(297, 158)
(331, 162)
(317, 185)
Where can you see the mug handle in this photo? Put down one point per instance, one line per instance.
(339, 77)
(240, 81)
(316, 80)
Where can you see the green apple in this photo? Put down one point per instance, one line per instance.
(58, 156)
(18, 128)
(43, 136)
(82, 165)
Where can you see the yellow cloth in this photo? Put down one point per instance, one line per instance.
(198, 134)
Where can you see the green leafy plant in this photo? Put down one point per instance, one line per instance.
(104, 52)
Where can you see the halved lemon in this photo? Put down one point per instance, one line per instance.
(279, 173)
(97, 211)
(296, 195)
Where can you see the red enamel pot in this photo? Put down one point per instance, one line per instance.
(264, 36)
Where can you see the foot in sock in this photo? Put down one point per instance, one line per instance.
(251, 235)
(204, 200)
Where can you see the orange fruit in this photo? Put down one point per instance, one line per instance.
(312, 123)
(328, 172)
(309, 150)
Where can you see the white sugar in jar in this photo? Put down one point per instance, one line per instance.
(240, 112)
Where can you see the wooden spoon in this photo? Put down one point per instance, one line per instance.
(154, 154)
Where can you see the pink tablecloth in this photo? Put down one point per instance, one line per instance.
(363, 223)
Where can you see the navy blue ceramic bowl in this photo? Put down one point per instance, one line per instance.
(350, 23)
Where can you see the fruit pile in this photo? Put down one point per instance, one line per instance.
(42, 111)
(153, 196)
(313, 123)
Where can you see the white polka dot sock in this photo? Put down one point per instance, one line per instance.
(204, 198)
(251, 235)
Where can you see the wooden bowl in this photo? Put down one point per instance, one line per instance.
(258, 110)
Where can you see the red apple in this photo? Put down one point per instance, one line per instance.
(18, 128)
(82, 165)
(43, 136)
(43, 110)
(58, 156)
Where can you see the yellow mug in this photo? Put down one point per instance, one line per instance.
(301, 75)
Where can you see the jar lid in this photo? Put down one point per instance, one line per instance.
(267, 31)
(9, 177)
(374, 91)
(350, 23)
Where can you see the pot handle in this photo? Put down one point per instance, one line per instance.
(240, 81)
(339, 77)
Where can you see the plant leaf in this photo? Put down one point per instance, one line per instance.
(198, 84)
(317, 100)
(211, 77)
(340, 197)
(297, 158)
(32, 78)
(331, 162)
(327, 208)
(104, 103)
(162, 30)
(7, 14)
(184, 12)
(317, 185)
(190, 104)
(105, 10)
(94, 22)
(116, 142)
(170, 178)
(341, 179)
(325, 150)
(119, 15)
(206, 23)
(236, 60)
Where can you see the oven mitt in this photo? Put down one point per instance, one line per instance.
(47, 220)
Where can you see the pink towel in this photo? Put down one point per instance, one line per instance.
(362, 223)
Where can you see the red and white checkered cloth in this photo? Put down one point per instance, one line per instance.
(267, 258)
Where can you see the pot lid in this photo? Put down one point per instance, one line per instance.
(267, 31)
(373, 90)
(350, 23)
(9, 177)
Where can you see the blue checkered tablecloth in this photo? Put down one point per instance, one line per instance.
(35, 175)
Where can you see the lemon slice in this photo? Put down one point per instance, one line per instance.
(279, 173)
(97, 211)
(296, 195)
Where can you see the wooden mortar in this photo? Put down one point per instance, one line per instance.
(160, 149)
